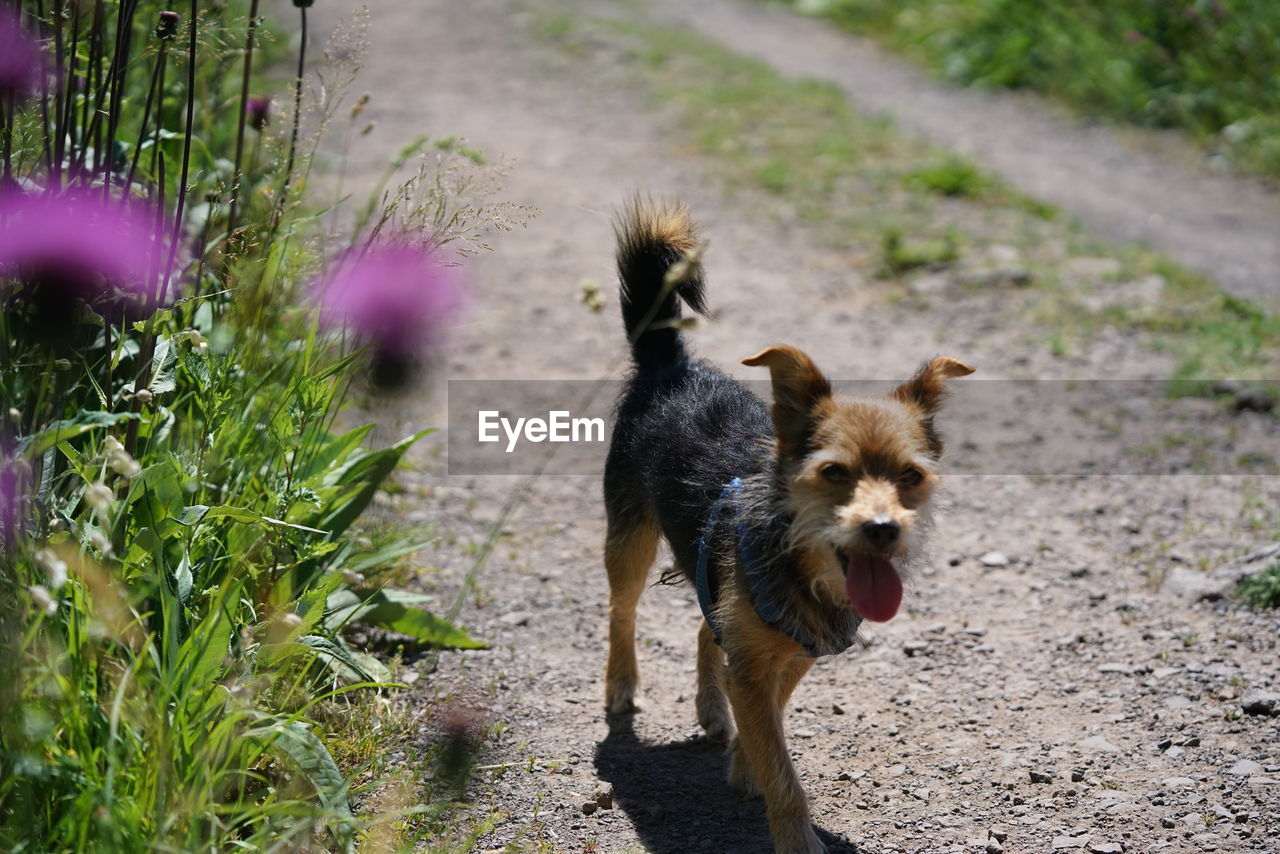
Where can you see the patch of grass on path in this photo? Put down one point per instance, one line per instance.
(900, 205)
(1207, 67)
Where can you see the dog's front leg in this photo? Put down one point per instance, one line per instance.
(754, 691)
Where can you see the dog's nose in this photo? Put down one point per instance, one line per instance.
(881, 532)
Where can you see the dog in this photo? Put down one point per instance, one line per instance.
(794, 522)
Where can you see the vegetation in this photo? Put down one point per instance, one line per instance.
(1262, 589)
(178, 515)
(1204, 66)
(898, 206)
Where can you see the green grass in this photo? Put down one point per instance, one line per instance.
(1261, 590)
(177, 566)
(900, 205)
(1207, 67)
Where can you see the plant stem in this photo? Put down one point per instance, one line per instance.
(244, 102)
(297, 118)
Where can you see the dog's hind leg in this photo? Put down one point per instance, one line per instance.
(631, 544)
(712, 706)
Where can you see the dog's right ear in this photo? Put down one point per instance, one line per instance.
(798, 387)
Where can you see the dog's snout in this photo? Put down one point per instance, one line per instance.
(881, 532)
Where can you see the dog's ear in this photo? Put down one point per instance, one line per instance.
(798, 387)
(926, 390)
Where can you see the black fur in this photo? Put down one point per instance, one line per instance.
(683, 429)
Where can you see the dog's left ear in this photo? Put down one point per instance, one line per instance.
(926, 388)
(925, 391)
(798, 386)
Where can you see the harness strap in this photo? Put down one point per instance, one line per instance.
(763, 586)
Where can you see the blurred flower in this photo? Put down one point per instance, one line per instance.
(71, 246)
(259, 112)
(40, 595)
(395, 296)
(99, 496)
(53, 566)
(167, 28)
(20, 58)
(100, 542)
(13, 497)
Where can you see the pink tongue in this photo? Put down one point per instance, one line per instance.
(873, 587)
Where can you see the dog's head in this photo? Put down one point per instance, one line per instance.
(859, 473)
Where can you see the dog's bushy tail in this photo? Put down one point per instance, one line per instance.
(657, 243)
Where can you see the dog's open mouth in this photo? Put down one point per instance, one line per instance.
(872, 584)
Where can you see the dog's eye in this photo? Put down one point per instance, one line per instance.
(911, 477)
(834, 472)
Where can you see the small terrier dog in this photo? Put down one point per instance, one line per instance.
(794, 523)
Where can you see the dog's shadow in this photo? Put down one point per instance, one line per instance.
(676, 796)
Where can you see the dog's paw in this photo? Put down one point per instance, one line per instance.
(620, 697)
(741, 778)
(803, 841)
(714, 716)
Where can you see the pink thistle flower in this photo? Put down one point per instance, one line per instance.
(395, 295)
(20, 56)
(75, 245)
(14, 474)
(258, 110)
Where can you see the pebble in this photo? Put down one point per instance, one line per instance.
(1259, 702)
(1244, 768)
(1106, 848)
(994, 559)
(1061, 842)
(994, 847)
(604, 797)
(589, 807)
(1253, 400)
(1041, 777)
(516, 618)
(1097, 742)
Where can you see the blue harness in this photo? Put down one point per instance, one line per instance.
(767, 589)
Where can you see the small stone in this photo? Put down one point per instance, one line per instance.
(1174, 752)
(1253, 400)
(604, 797)
(1041, 777)
(1259, 702)
(1062, 842)
(999, 833)
(836, 709)
(1077, 775)
(1244, 768)
(914, 648)
(1099, 743)
(589, 807)
(994, 559)
(1167, 823)
(516, 618)
(1106, 848)
(994, 847)
(1114, 667)
(844, 776)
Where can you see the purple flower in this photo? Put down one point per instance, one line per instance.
(13, 497)
(75, 245)
(20, 57)
(167, 26)
(395, 295)
(259, 111)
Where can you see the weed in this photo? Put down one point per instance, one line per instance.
(1262, 589)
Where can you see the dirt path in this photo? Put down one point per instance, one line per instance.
(1125, 185)
(1058, 658)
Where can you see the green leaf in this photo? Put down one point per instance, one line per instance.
(391, 609)
(59, 431)
(364, 474)
(349, 666)
(293, 742)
